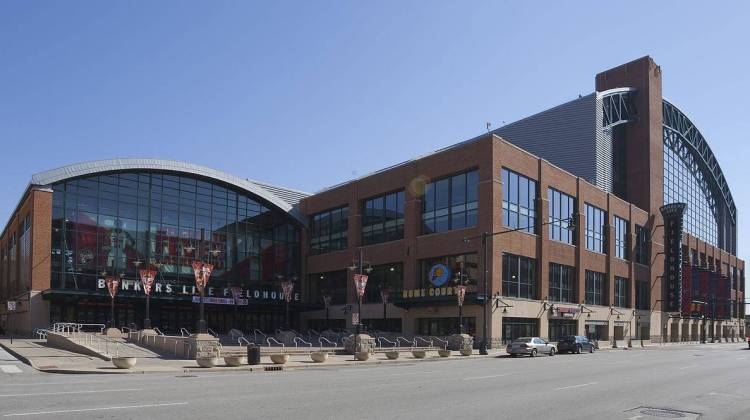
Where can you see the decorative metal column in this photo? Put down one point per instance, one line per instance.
(287, 286)
(202, 272)
(113, 285)
(147, 280)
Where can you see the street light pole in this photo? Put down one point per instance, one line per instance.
(287, 286)
(360, 283)
(461, 280)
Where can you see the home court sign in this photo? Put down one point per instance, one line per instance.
(214, 295)
(428, 292)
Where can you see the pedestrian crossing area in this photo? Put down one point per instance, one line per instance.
(8, 363)
(10, 369)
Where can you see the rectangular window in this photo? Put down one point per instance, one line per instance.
(561, 213)
(561, 283)
(383, 218)
(519, 276)
(595, 235)
(519, 201)
(621, 238)
(328, 230)
(642, 295)
(622, 292)
(595, 293)
(388, 277)
(641, 245)
(450, 203)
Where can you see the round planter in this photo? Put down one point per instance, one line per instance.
(124, 362)
(319, 356)
(235, 361)
(207, 362)
(279, 359)
(444, 353)
(392, 355)
(362, 355)
(466, 352)
(419, 354)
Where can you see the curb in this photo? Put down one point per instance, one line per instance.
(18, 356)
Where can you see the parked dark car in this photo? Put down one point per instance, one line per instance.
(575, 344)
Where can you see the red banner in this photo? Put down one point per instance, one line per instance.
(113, 285)
(147, 279)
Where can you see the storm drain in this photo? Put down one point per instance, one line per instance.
(664, 413)
(273, 368)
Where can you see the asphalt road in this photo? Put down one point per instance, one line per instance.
(710, 380)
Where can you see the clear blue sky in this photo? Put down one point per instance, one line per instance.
(309, 94)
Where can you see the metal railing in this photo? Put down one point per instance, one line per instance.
(235, 333)
(256, 332)
(429, 343)
(298, 340)
(391, 343)
(322, 339)
(41, 334)
(241, 339)
(158, 331)
(443, 342)
(410, 343)
(212, 332)
(184, 332)
(270, 339)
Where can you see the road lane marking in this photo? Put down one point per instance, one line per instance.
(81, 410)
(10, 369)
(471, 378)
(576, 386)
(688, 367)
(412, 373)
(740, 358)
(70, 392)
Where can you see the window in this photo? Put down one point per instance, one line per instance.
(519, 201)
(328, 230)
(622, 292)
(383, 218)
(450, 203)
(439, 277)
(389, 277)
(642, 295)
(329, 285)
(641, 245)
(595, 218)
(561, 283)
(595, 288)
(621, 238)
(561, 211)
(519, 327)
(519, 276)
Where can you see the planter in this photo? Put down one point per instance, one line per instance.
(466, 352)
(124, 362)
(392, 355)
(362, 355)
(444, 352)
(207, 362)
(235, 361)
(419, 354)
(319, 356)
(279, 359)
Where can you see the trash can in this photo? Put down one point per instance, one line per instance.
(253, 354)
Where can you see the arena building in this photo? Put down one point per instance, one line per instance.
(606, 216)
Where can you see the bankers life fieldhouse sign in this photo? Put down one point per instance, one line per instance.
(215, 295)
(672, 214)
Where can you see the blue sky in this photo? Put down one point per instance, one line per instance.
(310, 94)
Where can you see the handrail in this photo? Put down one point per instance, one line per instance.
(428, 342)
(234, 333)
(297, 341)
(255, 334)
(322, 339)
(269, 339)
(398, 340)
(241, 339)
(212, 332)
(380, 343)
(445, 345)
(158, 331)
(184, 332)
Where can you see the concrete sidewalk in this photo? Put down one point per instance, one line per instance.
(47, 359)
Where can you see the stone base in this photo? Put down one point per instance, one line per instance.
(204, 346)
(362, 343)
(113, 332)
(460, 341)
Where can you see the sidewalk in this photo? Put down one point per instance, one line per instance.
(47, 359)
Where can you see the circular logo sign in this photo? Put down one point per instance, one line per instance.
(439, 274)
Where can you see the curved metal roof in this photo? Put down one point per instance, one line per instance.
(284, 198)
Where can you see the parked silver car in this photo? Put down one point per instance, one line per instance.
(531, 346)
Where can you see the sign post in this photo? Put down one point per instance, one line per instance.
(287, 286)
(113, 285)
(202, 272)
(147, 279)
(11, 308)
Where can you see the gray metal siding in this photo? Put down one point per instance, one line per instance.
(564, 135)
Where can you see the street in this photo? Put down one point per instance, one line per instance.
(710, 380)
